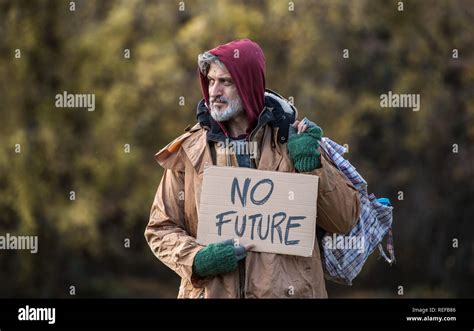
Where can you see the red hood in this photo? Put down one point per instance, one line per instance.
(247, 71)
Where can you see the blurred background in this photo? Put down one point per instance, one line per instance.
(422, 160)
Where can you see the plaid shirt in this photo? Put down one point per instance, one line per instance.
(342, 265)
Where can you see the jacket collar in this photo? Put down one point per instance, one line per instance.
(277, 114)
(198, 150)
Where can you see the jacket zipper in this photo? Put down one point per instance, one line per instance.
(241, 264)
(242, 270)
(258, 125)
(242, 278)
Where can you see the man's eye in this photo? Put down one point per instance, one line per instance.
(211, 81)
(227, 83)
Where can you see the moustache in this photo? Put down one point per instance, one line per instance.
(221, 99)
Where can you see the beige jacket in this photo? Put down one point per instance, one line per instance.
(172, 226)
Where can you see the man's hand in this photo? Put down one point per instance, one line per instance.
(303, 143)
(219, 258)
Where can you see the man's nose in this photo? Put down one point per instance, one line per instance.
(215, 90)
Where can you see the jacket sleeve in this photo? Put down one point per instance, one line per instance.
(338, 200)
(165, 232)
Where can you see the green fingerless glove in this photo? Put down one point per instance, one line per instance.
(217, 259)
(303, 149)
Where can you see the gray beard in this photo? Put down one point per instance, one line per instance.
(233, 109)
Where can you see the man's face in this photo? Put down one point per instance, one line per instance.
(224, 99)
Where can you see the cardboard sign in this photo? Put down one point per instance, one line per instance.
(275, 211)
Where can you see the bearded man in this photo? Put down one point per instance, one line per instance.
(236, 108)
